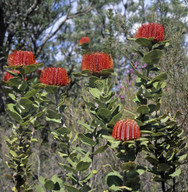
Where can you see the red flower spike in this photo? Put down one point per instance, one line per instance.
(154, 30)
(96, 62)
(84, 40)
(54, 76)
(7, 75)
(126, 130)
(21, 58)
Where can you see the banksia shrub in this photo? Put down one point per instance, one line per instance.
(21, 58)
(54, 76)
(96, 62)
(126, 130)
(148, 30)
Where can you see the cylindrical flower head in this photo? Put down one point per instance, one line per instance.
(96, 62)
(84, 40)
(7, 75)
(126, 130)
(154, 30)
(54, 76)
(21, 58)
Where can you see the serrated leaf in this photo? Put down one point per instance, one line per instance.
(13, 153)
(176, 173)
(113, 178)
(49, 185)
(42, 180)
(104, 113)
(95, 92)
(86, 140)
(182, 157)
(161, 77)
(100, 149)
(152, 160)
(25, 103)
(15, 115)
(153, 56)
(30, 68)
(143, 109)
(85, 125)
(12, 96)
(115, 119)
(144, 42)
(31, 93)
(53, 116)
(170, 154)
(39, 188)
(82, 166)
(129, 166)
(68, 168)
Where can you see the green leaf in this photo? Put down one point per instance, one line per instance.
(82, 165)
(53, 116)
(95, 92)
(70, 188)
(16, 81)
(161, 77)
(182, 157)
(104, 113)
(86, 140)
(100, 149)
(85, 125)
(42, 180)
(176, 173)
(16, 116)
(63, 130)
(163, 167)
(143, 109)
(39, 188)
(25, 103)
(13, 153)
(129, 166)
(22, 86)
(144, 42)
(31, 93)
(106, 71)
(170, 154)
(29, 68)
(152, 160)
(113, 178)
(116, 111)
(153, 56)
(79, 74)
(12, 96)
(49, 185)
(95, 82)
(68, 168)
(115, 119)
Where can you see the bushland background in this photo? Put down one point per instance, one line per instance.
(52, 30)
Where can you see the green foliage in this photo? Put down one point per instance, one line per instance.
(165, 138)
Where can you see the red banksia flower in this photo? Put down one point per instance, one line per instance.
(7, 75)
(84, 40)
(126, 130)
(54, 76)
(21, 58)
(154, 30)
(96, 62)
